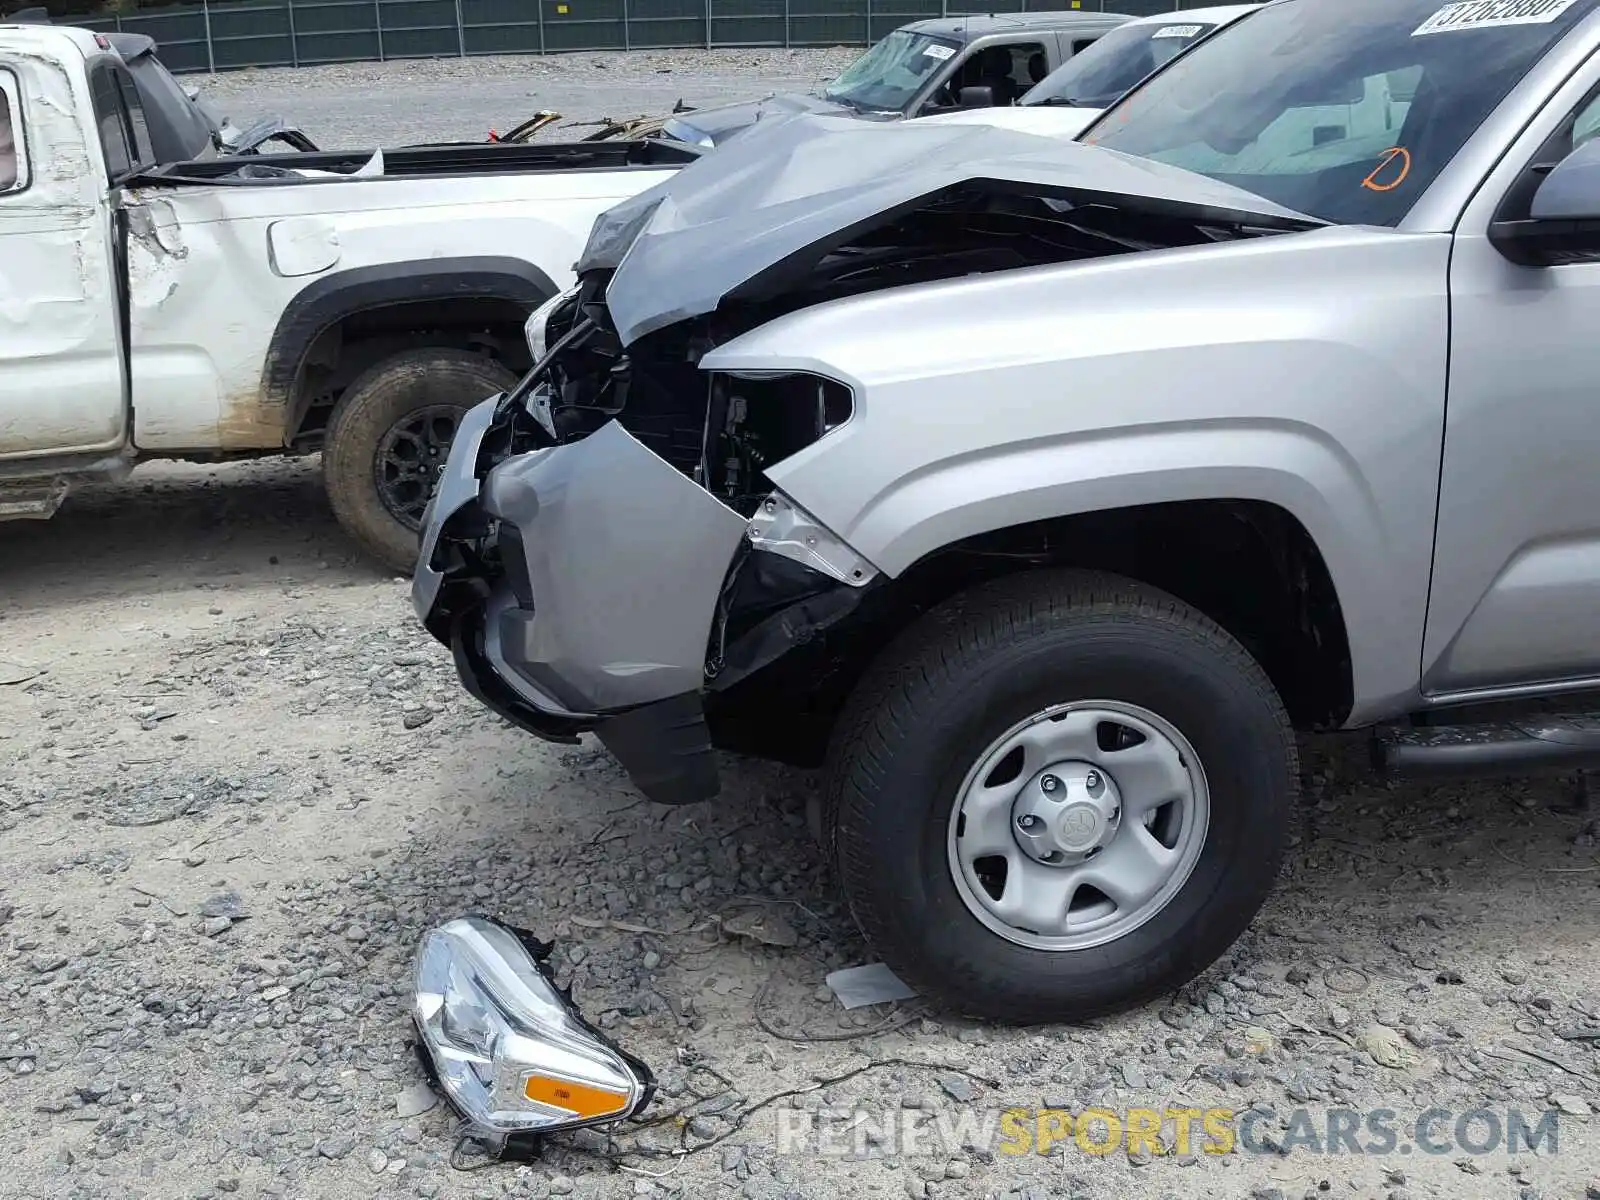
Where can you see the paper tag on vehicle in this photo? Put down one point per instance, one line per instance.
(1176, 31)
(1492, 14)
(939, 52)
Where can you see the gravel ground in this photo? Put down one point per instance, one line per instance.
(360, 104)
(237, 781)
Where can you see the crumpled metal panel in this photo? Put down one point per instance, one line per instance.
(625, 559)
(682, 246)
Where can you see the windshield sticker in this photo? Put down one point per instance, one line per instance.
(939, 52)
(1176, 31)
(1491, 14)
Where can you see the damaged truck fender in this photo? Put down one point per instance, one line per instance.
(983, 380)
(325, 302)
(161, 303)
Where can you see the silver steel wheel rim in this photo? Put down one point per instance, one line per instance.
(1057, 842)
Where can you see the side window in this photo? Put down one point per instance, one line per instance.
(1007, 70)
(1029, 64)
(111, 121)
(138, 126)
(1587, 122)
(13, 146)
(124, 135)
(1580, 126)
(1079, 45)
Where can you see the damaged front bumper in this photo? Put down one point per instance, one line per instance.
(586, 586)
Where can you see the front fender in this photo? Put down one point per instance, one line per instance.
(1305, 371)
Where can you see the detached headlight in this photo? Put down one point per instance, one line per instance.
(510, 1051)
(534, 330)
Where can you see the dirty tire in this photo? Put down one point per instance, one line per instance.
(966, 673)
(369, 408)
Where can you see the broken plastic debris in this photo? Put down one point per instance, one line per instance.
(857, 987)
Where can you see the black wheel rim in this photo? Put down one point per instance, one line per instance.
(410, 459)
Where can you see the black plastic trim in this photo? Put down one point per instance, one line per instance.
(666, 749)
(480, 681)
(322, 304)
(1535, 746)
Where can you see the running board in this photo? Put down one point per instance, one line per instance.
(1558, 744)
(35, 499)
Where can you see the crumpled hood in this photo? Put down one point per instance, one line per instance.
(682, 246)
(720, 124)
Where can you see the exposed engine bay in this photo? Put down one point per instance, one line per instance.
(793, 608)
(723, 431)
(609, 551)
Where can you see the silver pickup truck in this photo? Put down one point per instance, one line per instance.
(1044, 490)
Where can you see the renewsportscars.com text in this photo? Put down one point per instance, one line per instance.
(855, 1132)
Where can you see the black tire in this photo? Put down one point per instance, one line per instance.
(370, 407)
(970, 670)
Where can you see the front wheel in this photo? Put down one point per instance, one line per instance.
(1058, 796)
(388, 439)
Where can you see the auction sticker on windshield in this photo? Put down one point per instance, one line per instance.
(1489, 14)
(1176, 31)
(939, 52)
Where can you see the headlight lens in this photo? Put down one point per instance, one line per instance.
(511, 1052)
(534, 330)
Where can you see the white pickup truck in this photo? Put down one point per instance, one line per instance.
(264, 305)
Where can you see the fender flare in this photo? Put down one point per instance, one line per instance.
(323, 303)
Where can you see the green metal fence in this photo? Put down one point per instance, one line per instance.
(219, 35)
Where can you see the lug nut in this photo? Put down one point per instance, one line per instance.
(1027, 821)
(1092, 780)
(1090, 853)
(1049, 783)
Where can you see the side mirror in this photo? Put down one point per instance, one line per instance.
(975, 97)
(1563, 221)
(1571, 192)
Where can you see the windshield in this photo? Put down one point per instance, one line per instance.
(887, 76)
(1096, 77)
(1343, 109)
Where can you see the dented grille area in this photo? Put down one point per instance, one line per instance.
(720, 430)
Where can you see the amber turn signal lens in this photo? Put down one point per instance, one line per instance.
(580, 1099)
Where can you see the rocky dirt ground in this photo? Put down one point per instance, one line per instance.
(359, 104)
(237, 782)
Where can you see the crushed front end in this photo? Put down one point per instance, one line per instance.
(603, 549)
(607, 550)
